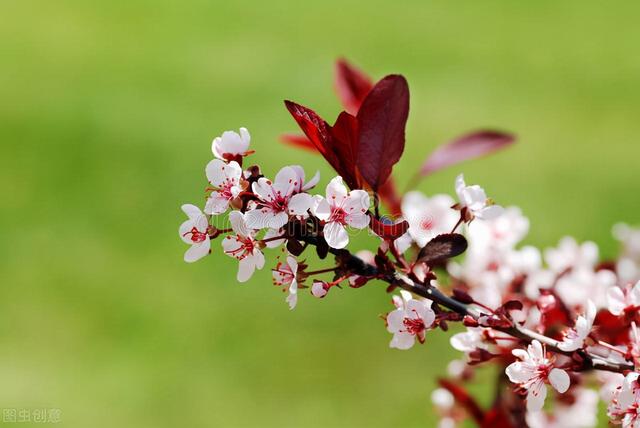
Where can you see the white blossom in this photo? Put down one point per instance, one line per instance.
(571, 255)
(580, 412)
(409, 321)
(428, 217)
(243, 247)
(226, 179)
(194, 231)
(278, 199)
(475, 200)
(574, 337)
(340, 209)
(532, 372)
(231, 144)
(285, 274)
(625, 407)
(619, 300)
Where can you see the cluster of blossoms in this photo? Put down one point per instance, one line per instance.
(558, 321)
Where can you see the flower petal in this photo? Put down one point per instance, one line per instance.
(238, 223)
(299, 204)
(559, 379)
(246, 267)
(197, 251)
(402, 341)
(536, 395)
(336, 192)
(336, 235)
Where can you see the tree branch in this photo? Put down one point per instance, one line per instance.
(360, 267)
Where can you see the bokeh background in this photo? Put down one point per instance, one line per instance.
(106, 116)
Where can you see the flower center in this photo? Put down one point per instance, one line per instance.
(414, 326)
(426, 224)
(248, 245)
(338, 215)
(196, 235)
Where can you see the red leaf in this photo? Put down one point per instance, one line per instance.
(389, 197)
(442, 247)
(298, 140)
(381, 121)
(468, 146)
(345, 146)
(324, 138)
(388, 231)
(352, 85)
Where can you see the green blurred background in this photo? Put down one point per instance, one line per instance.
(106, 116)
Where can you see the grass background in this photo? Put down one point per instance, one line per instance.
(107, 113)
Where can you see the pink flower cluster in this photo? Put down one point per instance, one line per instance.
(560, 325)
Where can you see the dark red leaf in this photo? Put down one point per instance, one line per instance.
(381, 121)
(388, 230)
(389, 196)
(324, 138)
(345, 146)
(298, 140)
(352, 85)
(468, 146)
(442, 247)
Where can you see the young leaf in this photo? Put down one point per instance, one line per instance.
(297, 140)
(467, 147)
(336, 152)
(388, 231)
(381, 121)
(351, 84)
(442, 247)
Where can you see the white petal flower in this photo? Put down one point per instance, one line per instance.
(340, 209)
(319, 289)
(194, 231)
(532, 372)
(231, 145)
(624, 407)
(243, 247)
(428, 217)
(285, 274)
(226, 179)
(571, 255)
(278, 199)
(574, 338)
(619, 300)
(410, 322)
(475, 200)
(469, 341)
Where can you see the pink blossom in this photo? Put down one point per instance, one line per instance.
(533, 371)
(409, 322)
(226, 179)
(474, 199)
(574, 337)
(428, 217)
(625, 407)
(243, 247)
(285, 274)
(231, 145)
(320, 289)
(620, 300)
(342, 208)
(278, 199)
(194, 232)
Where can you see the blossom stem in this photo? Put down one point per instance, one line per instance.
(273, 238)
(317, 272)
(360, 267)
